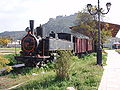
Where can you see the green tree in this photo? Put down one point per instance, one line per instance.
(4, 62)
(4, 41)
(87, 24)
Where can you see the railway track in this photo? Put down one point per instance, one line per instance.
(14, 66)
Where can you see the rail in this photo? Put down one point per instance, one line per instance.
(14, 66)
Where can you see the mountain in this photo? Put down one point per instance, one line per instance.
(15, 35)
(58, 24)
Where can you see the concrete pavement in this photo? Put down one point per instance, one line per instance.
(111, 75)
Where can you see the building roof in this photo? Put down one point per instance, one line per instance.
(113, 27)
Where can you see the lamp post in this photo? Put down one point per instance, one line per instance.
(98, 11)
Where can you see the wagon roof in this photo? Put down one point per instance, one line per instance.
(76, 34)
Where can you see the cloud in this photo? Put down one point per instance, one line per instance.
(8, 5)
(15, 14)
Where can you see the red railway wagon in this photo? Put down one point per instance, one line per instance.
(77, 45)
(82, 45)
(89, 45)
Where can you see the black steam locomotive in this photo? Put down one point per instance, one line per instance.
(37, 49)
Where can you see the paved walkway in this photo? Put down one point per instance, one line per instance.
(111, 75)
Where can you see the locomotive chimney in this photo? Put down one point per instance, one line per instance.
(32, 26)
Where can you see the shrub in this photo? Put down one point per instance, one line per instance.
(8, 68)
(63, 64)
(48, 66)
(11, 59)
(74, 58)
(4, 62)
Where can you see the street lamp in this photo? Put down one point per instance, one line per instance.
(98, 11)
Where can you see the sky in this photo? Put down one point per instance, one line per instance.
(15, 14)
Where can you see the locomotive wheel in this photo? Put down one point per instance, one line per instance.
(42, 63)
(46, 61)
(38, 64)
(29, 64)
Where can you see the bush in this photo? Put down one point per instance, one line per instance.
(11, 59)
(63, 64)
(48, 66)
(3, 63)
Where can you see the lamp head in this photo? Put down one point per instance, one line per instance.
(89, 7)
(108, 5)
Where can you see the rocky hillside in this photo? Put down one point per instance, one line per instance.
(58, 24)
(15, 35)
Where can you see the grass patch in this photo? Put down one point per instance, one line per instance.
(84, 75)
(20, 75)
(9, 50)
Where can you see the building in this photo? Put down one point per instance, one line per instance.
(14, 44)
